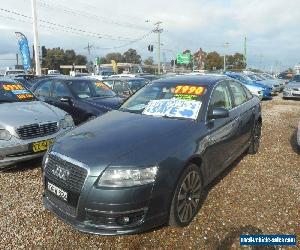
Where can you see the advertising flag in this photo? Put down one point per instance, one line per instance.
(24, 49)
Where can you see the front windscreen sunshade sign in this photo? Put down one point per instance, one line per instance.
(174, 107)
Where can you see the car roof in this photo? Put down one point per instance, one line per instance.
(68, 78)
(7, 80)
(194, 79)
(124, 78)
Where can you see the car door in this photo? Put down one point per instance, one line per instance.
(243, 105)
(223, 132)
(63, 99)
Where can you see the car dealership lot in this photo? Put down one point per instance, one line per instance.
(259, 194)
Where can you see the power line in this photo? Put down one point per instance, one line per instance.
(88, 15)
(110, 37)
(78, 33)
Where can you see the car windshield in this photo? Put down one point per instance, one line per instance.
(136, 84)
(15, 92)
(179, 101)
(296, 78)
(89, 88)
(102, 90)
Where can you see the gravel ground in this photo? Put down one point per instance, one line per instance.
(258, 194)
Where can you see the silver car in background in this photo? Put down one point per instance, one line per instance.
(292, 89)
(27, 126)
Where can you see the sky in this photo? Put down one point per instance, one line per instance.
(271, 28)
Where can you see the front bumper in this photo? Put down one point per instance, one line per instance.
(17, 150)
(105, 216)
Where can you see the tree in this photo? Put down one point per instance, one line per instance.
(131, 56)
(57, 56)
(80, 60)
(70, 56)
(54, 58)
(149, 61)
(213, 61)
(116, 56)
(236, 61)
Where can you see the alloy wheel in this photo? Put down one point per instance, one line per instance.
(188, 198)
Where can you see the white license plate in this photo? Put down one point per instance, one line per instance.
(57, 191)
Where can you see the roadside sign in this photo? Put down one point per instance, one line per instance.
(184, 58)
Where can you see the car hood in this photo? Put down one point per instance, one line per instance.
(103, 140)
(18, 114)
(107, 103)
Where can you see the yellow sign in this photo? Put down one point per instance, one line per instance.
(114, 65)
(189, 90)
(41, 145)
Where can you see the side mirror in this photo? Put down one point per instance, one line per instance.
(218, 113)
(66, 99)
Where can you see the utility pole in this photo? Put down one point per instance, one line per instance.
(36, 39)
(226, 45)
(158, 30)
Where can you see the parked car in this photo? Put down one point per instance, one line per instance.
(147, 164)
(262, 91)
(275, 81)
(20, 79)
(276, 86)
(82, 98)
(125, 87)
(27, 126)
(292, 89)
(14, 72)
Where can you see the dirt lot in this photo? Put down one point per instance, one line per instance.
(259, 194)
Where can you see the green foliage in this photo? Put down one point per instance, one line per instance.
(131, 56)
(149, 61)
(57, 56)
(213, 61)
(236, 61)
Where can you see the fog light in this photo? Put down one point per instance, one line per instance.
(124, 220)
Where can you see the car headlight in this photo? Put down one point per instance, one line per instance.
(128, 177)
(5, 135)
(67, 122)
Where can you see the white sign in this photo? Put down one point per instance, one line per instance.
(174, 107)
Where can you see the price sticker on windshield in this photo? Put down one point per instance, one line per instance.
(189, 90)
(12, 87)
(101, 85)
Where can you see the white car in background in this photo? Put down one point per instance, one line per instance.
(28, 126)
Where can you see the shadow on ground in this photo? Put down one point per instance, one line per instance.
(293, 142)
(23, 166)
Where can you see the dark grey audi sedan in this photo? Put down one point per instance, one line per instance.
(147, 164)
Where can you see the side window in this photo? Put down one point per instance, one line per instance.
(239, 93)
(119, 87)
(60, 90)
(220, 98)
(43, 90)
(248, 93)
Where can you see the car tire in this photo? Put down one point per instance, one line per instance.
(255, 139)
(187, 196)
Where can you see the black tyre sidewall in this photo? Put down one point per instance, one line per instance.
(173, 218)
